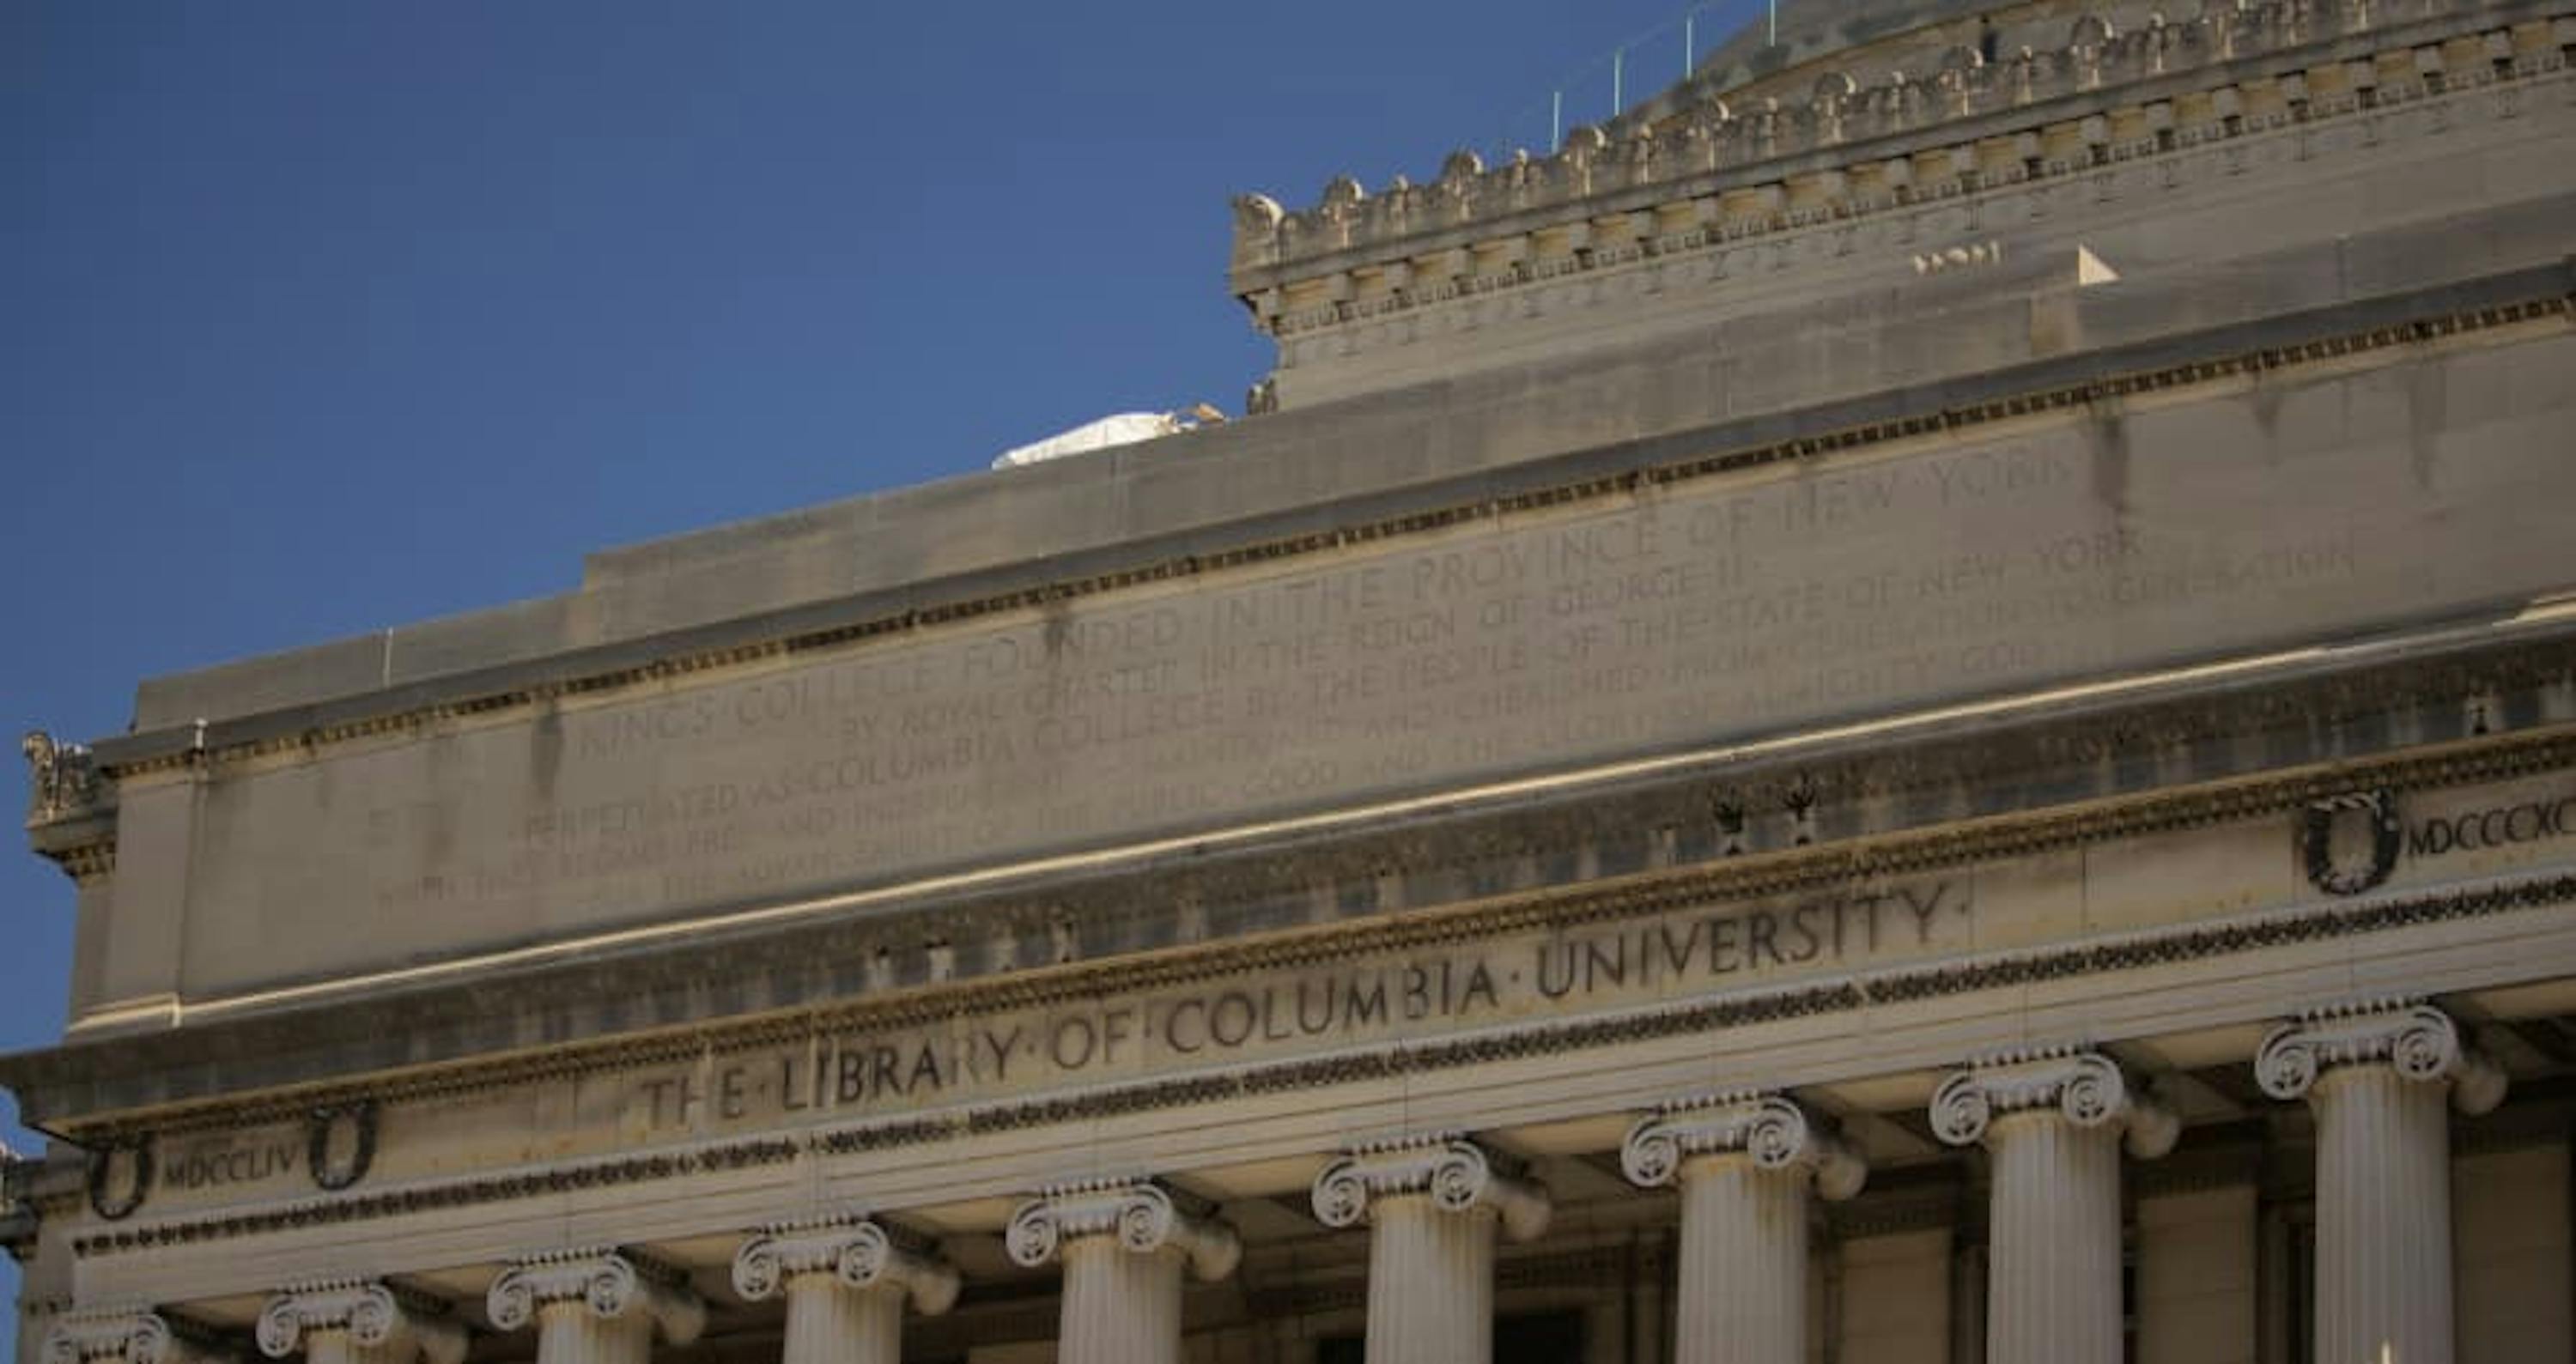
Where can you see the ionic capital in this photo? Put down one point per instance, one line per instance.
(2081, 1087)
(609, 1283)
(854, 1254)
(127, 1336)
(2418, 1041)
(1143, 1215)
(1773, 1131)
(1457, 1174)
(375, 1316)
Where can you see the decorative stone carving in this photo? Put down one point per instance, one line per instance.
(340, 1143)
(612, 1284)
(1457, 1174)
(1256, 214)
(2084, 1087)
(1967, 81)
(2050, 1118)
(1772, 1130)
(61, 776)
(1143, 1215)
(1743, 1162)
(2316, 842)
(1434, 1205)
(119, 1177)
(380, 1321)
(2374, 1074)
(129, 1336)
(1122, 1294)
(2418, 1041)
(857, 1254)
(846, 1282)
(19, 1220)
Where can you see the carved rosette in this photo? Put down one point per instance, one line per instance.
(374, 1316)
(1143, 1215)
(1770, 1129)
(859, 1254)
(2419, 1041)
(131, 1336)
(1457, 1174)
(610, 1283)
(2085, 1088)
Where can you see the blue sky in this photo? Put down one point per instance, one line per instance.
(320, 317)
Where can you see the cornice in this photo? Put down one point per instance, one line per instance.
(2212, 941)
(1855, 149)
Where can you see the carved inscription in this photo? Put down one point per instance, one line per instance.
(2441, 835)
(1672, 956)
(225, 1161)
(1686, 615)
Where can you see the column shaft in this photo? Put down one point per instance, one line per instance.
(830, 1322)
(2053, 1293)
(1120, 1306)
(2383, 1218)
(1431, 1283)
(568, 1332)
(1743, 1263)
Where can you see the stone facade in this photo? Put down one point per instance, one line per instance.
(1919, 705)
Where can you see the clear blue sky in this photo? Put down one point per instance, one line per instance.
(320, 317)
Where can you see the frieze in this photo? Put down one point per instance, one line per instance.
(1309, 1006)
(1805, 872)
(2319, 922)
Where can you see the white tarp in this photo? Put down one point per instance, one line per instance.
(1124, 428)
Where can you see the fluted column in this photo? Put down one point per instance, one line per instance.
(596, 1306)
(358, 1321)
(127, 1336)
(1123, 1244)
(2052, 1121)
(846, 1284)
(1433, 1206)
(1744, 1163)
(2377, 1076)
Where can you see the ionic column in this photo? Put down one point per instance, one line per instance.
(596, 1306)
(2376, 1076)
(1432, 1205)
(1123, 1244)
(2052, 1121)
(1744, 1162)
(846, 1284)
(127, 1336)
(356, 1321)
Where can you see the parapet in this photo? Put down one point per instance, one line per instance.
(1361, 289)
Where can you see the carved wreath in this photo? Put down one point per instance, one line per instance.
(322, 1125)
(2316, 842)
(104, 1200)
